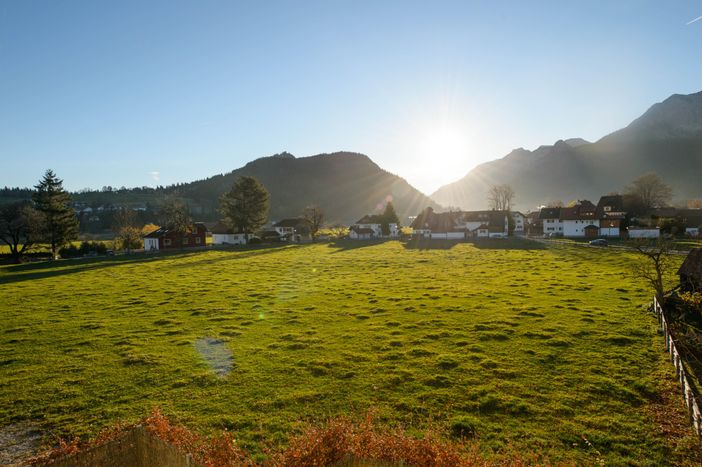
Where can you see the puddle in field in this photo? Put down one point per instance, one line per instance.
(216, 354)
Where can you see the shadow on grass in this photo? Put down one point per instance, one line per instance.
(511, 243)
(345, 245)
(514, 243)
(45, 269)
(429, 244)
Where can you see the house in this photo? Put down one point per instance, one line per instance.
(692, 219)
(519, 221)
(483, 231)
(644, 232)
(223, 235)
(459, 225)
(551, 221)
(287, 227)
(611, 214)
(362, 233)
(165, 238)
(374, 223)
(574, 220)
(690, 271)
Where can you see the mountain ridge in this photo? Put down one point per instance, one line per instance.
(666, 139)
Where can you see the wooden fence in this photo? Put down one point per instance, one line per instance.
(134, 448)
(691, 400)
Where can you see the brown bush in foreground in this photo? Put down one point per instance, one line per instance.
(340, 441)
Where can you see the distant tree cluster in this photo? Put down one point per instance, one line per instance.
(48, 218)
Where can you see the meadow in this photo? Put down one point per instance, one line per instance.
(519, 346)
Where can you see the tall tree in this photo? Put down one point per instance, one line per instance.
(651, 191)
(388, 217)
(20, 228)
(500, 197)
(175, 216)
(314, 216)
(245, 206)
(59, 218)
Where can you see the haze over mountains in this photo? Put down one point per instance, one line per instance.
(666, 139)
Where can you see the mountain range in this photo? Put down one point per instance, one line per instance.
(666, 139)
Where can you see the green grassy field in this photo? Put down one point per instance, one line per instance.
(525, 347)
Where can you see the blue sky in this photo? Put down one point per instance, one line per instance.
(124, 93)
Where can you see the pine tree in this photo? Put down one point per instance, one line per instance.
(245, 206)
(389, 216)
(60, 221)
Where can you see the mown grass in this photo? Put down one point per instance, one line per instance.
(516, 345)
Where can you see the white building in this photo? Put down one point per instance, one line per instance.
(223, 235)
(374, 225)
(519, 222)
(644, 232)
(551, 218)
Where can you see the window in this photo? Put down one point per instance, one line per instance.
(198, 240)
(186, 240)
(166, 242)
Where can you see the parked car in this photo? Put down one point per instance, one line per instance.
(599, 242)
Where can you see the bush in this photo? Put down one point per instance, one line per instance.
(255, 241)
(86, 248)
(464, 427)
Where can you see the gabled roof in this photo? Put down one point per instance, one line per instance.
(482, 227)
(614, 202)
(370, 219)
(550, 213)
(222, 229)
(165, 230)
(692, 266)
(583, 210)
(292, 222)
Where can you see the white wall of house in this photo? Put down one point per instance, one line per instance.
(609, 231)
(576, 228)
(553, 226)
(470, 225)
(359, 236)
(394, 231)
(284, 230)
(229, 239)
(692, 231)
(150, 244)
(644, 233)
(519, 221)
(448, 235)
(482, 233)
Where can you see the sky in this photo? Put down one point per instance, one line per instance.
(135, 93)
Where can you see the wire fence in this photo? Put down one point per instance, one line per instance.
(691, 399)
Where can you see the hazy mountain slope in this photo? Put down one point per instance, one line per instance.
(346, 185)
(666, 139)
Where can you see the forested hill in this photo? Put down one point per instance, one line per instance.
(666, 139)
(346, 185)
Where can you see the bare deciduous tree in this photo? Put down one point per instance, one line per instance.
(650, 190)
(653, 264)
(314, 216)
(500, 197)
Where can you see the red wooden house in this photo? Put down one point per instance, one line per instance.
(165, 238)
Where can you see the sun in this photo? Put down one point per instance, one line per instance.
(445, 143)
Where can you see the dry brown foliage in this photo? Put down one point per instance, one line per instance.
(340, 441)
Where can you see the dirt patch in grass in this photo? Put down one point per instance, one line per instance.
(18, 441)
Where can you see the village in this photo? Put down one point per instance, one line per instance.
(608, 219)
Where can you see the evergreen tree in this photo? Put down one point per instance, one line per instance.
(245, 206)
(389, 216)
(60, 221)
